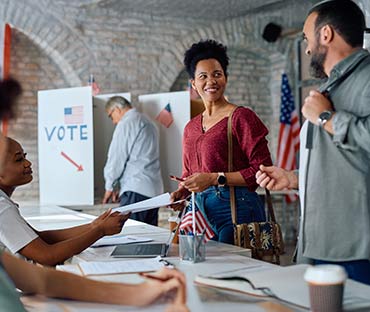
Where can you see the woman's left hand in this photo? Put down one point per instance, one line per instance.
(198, 182)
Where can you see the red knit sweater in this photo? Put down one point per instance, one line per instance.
(207, 151)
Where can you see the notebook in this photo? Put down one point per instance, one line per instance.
(144, 250)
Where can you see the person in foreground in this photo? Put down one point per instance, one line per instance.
(45, 247)
(34, 279)
(205, 146)
(334, 175)
(133, 159)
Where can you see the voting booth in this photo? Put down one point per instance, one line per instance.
(170, 138)
(74, 134)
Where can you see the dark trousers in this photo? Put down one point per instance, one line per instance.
(358, 270)
(148, 216)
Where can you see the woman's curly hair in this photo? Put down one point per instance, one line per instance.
(204, 50)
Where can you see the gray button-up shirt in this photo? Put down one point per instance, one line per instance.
(336, 210)
(133, 156)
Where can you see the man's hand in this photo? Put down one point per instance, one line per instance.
(314, 105)
(110, 195)
(198, 182)
(110, 223)
(276, 179)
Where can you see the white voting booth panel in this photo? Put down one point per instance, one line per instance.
(103, 131)
(65, 135)
(170, 138)
(73, 144)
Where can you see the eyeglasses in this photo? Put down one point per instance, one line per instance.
(111, 112)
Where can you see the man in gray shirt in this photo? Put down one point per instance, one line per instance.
(334, 176)
(133, 159)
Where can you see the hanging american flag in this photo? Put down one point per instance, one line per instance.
(165, 116)
(201, 223)
(288, 144)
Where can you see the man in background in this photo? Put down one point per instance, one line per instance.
(133, 159)
(334, 175)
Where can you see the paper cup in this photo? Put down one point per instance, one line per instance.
(326, 287)
(173, 223)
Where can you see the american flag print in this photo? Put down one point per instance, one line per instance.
(288, 142)
(74, 115)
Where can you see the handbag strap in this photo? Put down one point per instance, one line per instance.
(234, 216)
(270, 208)
(230, 164)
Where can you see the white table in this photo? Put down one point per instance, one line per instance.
(220, 258)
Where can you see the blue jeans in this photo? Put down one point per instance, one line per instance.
(148, 216)
(214, 202)
(358, 270)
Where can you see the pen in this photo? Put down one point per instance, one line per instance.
(172, 177)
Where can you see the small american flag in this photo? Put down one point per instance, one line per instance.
(165, 116)
(201, 223)
(94, 85)
(288, 143)
(74, 115)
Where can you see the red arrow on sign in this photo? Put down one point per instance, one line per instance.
(79, 167)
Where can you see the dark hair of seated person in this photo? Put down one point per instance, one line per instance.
(10, 90)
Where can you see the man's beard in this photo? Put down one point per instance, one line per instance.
(317, 61)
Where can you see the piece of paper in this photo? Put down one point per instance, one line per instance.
(117, 267)
(286, 283)
(120, 240)
(151, 203)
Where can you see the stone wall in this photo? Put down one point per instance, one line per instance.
(56, 46)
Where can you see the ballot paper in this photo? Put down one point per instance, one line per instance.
(120, 240)
(151, 203)
(118, 267)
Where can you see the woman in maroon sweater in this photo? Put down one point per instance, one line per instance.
(205, 146)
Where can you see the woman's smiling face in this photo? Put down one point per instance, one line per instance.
(16, 169)
(209, 80)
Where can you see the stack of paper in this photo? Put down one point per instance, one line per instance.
(118, 267)
(151, 203)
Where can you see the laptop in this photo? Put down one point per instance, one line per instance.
(144, 250)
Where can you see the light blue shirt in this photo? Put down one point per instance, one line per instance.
(133, 156)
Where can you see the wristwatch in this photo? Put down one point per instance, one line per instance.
(324, 117)
(221, 179)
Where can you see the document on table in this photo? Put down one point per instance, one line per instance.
(151, 203)
(120, 240)
(118, 267)
(286, 283)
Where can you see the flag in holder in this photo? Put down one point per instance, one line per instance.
(165, 116)
(198, 224)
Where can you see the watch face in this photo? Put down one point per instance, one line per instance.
(325, 115)
(221, 180)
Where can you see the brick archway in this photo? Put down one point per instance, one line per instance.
(64, 46)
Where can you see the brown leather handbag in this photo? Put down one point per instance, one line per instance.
(263, 238)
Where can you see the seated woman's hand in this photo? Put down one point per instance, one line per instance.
(198, 182)
(110, 223)
(179, 194)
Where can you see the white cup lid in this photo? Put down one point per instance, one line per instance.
(174, 219)
(325, 274)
